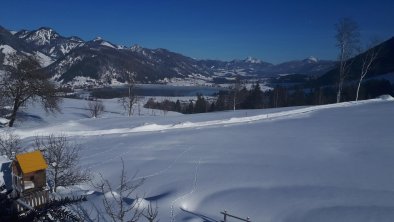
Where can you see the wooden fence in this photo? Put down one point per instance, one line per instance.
(34, 199)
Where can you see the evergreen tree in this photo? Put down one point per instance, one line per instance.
(212, 108)
(201, 105)
(254, 100)
(221, 101)
(299, 97)
(178, 107)
(190, 108)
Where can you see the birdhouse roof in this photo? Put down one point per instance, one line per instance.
(31, 162)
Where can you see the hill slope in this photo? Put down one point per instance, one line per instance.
(383, 64)
(255, 163)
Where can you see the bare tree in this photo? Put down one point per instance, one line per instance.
(10, 144)
(235, 89)
(63, 159)
(368, 59)
(4, 101)
(24, 81)
(131, 98)
(96, 108)
(139, 104)
(151, 212)
(347, 41)
(114, 199)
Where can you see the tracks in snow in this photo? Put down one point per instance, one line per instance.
(184, 196)
(187, 125)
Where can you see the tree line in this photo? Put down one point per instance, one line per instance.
(279, 96)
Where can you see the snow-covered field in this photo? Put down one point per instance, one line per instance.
(322, 163)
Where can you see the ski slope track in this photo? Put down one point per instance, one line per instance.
(295, 164)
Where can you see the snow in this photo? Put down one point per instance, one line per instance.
(3, 121)
(142, 203)
(43, 59)
(6, 49)
(192, 80)
(111, 195)
(312, 59)
(82, 81)
(66, 64)
(136, 48)
(318, 163)
(67, 47)
(104, 43)
(23, 34)
(386, 97)
(252, 60)
(43, 36)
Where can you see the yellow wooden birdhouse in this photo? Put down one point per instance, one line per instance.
(29, 172)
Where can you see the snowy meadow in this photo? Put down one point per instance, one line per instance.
(320, 163)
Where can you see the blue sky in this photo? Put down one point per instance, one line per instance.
(274, 31)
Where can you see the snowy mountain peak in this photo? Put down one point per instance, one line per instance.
(121, 47)
(42, 36)
(311, 59)
(22, 33)
(250, 59)
(101, 41)
(136, 48)
(45, 29)
(105, 43)
(76, 39)
(98, 38)
(48, 42)
(62, 58)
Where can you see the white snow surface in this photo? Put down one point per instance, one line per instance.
(67, 47)
(7, 50)
(43, 59)
(312, 59)
(104, 43)
(320, 163)
(252, 60)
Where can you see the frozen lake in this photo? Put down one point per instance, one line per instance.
(157, 90)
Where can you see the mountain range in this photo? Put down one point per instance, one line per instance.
(72, 60)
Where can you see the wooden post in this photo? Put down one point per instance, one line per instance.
(225, 214)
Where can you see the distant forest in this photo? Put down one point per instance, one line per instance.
(254, 98)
